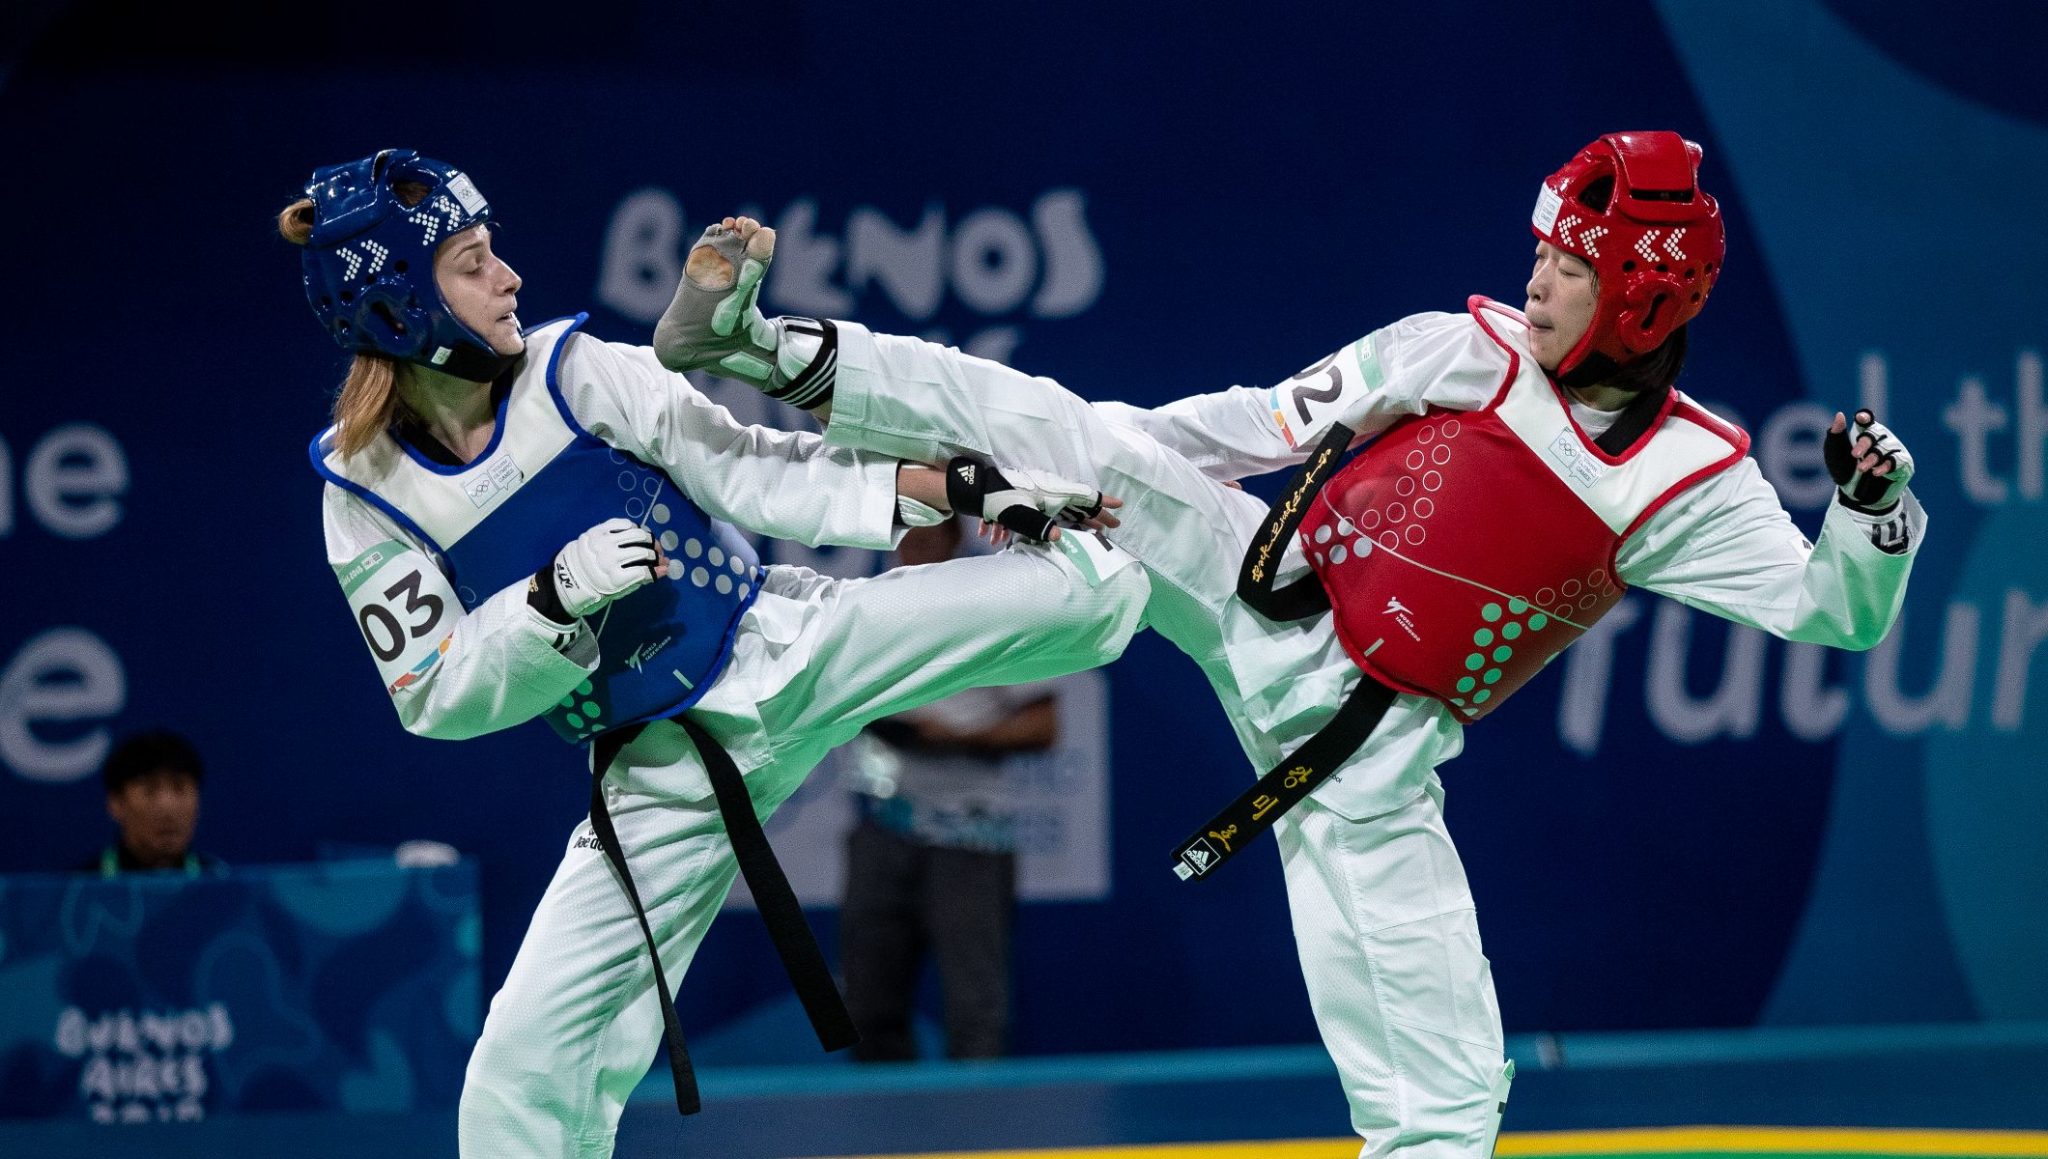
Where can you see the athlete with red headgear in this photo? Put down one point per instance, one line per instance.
(1523, 469)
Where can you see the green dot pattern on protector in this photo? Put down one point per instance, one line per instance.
(585, 716)
(1508, 625)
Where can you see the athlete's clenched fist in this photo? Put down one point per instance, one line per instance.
(1870, 464)
(603, 564)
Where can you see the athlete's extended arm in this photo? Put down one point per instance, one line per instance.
(788, 485)
(1399, 370)
(450, 674)
(1727, 547)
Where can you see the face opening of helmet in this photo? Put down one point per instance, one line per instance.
(1630, 206)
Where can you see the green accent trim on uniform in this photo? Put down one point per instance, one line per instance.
(362, 567)
(744, 365)
(1370, 368)
(1078, 555)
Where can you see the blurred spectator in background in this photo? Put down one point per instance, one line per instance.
(932, 864)
(152, 781)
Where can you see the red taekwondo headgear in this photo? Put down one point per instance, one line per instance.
(1632, 206)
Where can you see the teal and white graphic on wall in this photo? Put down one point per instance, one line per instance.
(154, 998)
(1901, 228)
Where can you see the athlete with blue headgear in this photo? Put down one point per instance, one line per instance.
(538, 523)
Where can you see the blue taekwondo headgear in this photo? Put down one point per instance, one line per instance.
(369, 265)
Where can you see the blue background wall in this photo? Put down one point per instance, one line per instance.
(1683, 826)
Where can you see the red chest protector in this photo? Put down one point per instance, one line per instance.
(1462, 550)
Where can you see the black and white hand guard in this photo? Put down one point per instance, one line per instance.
(1853, 456)
(1030, 503)
(603, 564)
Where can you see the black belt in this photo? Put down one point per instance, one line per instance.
(794, 942)
(1295, 777)
(1301, 771)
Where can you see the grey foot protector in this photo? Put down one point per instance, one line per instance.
(705, 329)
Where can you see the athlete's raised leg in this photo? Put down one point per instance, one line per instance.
(923, 402)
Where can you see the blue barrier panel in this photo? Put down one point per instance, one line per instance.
(348, 986)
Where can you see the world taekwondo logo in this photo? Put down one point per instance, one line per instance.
(647, 652)
(1404, 616)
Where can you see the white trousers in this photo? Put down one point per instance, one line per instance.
(576, 1024)
(1383, 917)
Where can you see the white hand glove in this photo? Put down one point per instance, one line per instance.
(1029, 503)
(1868, 463)
(603, 564)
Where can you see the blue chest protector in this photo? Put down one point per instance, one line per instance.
(660, 646)
(543, 481)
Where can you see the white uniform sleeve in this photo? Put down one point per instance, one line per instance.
(783, 484)
(450, 675)
(1727, 547)
(1424, 360)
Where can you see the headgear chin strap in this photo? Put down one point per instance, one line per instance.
(1630, 205)
(369, 266)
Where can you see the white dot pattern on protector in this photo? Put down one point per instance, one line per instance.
(1400, 520)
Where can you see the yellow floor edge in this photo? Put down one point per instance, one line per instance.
(1647, 1141)
(1804, 1140)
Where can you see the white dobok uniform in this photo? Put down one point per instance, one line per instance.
(813, 660)
(1383, 917)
